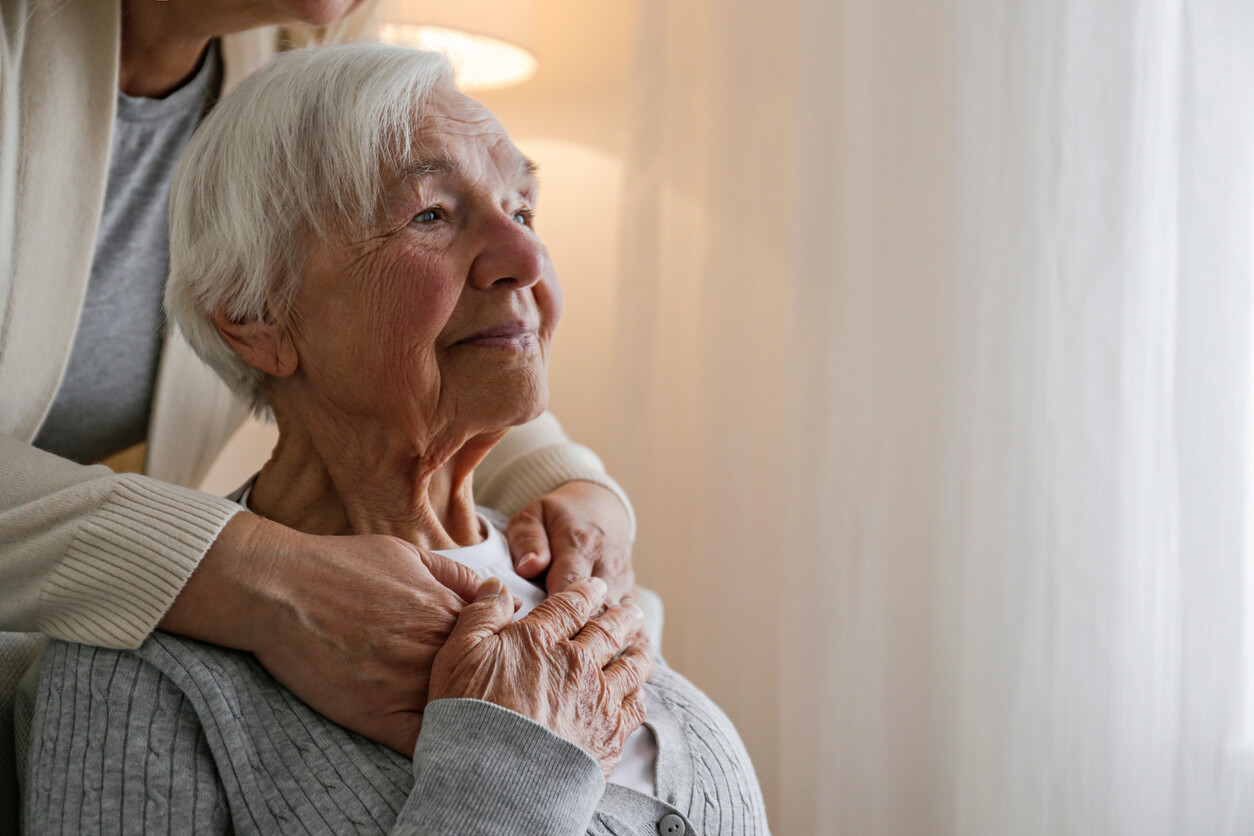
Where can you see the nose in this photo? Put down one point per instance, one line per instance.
(511, 255)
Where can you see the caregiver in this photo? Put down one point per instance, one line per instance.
(97, 101)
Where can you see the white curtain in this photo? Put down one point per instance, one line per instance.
(934, 323)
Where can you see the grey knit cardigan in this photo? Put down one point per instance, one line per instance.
(180, 737)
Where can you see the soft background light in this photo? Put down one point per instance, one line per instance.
(481, 62)
(921, 335)
(490, 43)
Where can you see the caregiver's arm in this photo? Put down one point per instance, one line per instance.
(92, 556)
(567, 514)
(95, 557)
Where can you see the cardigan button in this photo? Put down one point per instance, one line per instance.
(671, 825)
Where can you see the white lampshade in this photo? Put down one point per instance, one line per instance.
(489, 42)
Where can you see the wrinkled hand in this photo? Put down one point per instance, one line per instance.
(351, 625)
(555, 666)
(579, 530)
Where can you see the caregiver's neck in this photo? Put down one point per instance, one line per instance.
(162, 41)
(326, 477)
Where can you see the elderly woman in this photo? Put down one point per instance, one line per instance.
(353, 251)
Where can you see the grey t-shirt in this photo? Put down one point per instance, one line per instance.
(105, 397)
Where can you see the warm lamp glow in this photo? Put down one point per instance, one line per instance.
(481, 62)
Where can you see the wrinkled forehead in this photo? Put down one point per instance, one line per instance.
(459, 136)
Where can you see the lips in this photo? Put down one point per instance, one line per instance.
(511, 334)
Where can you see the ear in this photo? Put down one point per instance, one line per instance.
(265, 345)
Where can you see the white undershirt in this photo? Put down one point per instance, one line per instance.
(490, 559)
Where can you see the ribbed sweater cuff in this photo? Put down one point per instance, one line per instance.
(535, 473)
(486, 770)
(129, 560)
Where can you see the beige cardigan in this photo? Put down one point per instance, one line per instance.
(86, 554)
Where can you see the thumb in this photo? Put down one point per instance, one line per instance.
(490, 611)
(457, 577)
(528, 540)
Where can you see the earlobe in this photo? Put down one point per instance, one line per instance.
(264, 345)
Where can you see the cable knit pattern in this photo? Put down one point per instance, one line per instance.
(17, 652)
(180, 733)
(724, 796)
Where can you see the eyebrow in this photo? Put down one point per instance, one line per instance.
(443, 164)
(418, 169)
(527, 172)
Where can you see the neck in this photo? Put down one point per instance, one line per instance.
(330, 478)
(162, 41)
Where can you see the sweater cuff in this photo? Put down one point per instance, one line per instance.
(480, 768)
(129, 561)
(531, 475)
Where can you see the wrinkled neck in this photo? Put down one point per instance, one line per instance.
(325, 477)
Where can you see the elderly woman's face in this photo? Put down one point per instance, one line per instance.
(443, 314)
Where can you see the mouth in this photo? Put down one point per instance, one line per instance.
(511, 335)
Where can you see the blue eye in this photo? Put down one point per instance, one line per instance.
(524, 217)
(429, 215)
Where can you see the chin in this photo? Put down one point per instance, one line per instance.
(523, 401)
(494, 395)
(532, 409)
(536, 411)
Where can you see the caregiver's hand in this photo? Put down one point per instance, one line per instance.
(579, 530)
(556, 665)
(350, 624)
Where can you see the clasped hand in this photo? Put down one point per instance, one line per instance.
(577, 673)
(352, 625)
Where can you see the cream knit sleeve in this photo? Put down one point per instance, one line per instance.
(91, 556)
(533, 460)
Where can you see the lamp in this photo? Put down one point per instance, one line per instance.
(489, 42)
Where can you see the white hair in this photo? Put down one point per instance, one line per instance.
(298, 149)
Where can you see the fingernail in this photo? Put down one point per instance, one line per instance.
(639, 612)
(599, 586)
(528, 557)
(490, 588)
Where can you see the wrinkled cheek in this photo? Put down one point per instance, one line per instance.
(412, 375)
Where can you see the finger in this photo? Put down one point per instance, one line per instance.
(490, 611)
(604, 636)
(563, 615)
(529, 540)
(620, 579)
(634, 712)
(574, 557)
(628, 672)
(457, 577)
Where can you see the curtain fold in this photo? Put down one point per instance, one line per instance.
(935, 349)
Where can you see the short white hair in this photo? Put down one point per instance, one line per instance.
(296, 152)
